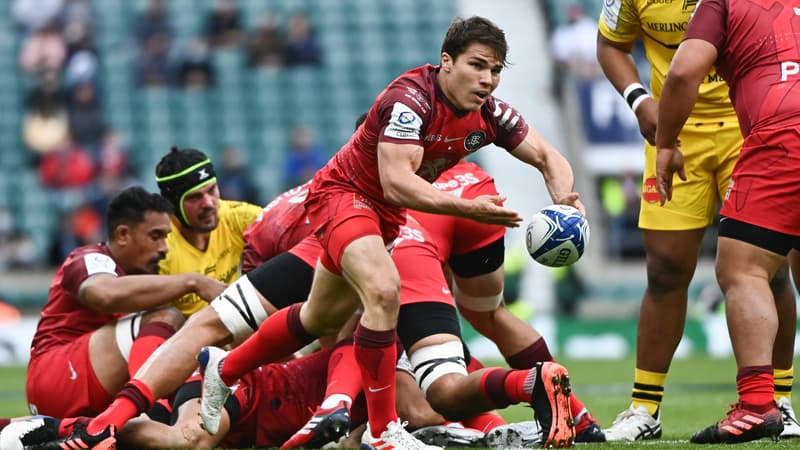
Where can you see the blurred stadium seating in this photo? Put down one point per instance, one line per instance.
(365, 44)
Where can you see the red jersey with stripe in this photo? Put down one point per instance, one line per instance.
(64, 318)
(413, 110)
(417, 260)
(458, 235)
(758, 43)
(281, 224)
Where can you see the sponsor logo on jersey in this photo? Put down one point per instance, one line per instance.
(610, 13)
(360, 202)
(404, 123)
(650, 190)
(475, 140)
(689, 5)
(99, 263)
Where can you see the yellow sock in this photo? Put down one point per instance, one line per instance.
(648, 390)
(783, 383)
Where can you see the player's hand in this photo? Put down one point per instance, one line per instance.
(669, 160)
(489, 209)
(647, 115)
(208, 288)
(572, 199)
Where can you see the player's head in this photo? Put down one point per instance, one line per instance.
(187, 179)
(473, 54)
(138, 224)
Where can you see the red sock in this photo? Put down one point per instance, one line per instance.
(529, 356)
(484, 421)
(4, 422)
(279, 336)
(344, 374)
(376, 354)
(134, 399)
(575, 405)
(150, 336)
(756, 387)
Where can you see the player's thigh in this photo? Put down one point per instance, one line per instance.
(331, 302)
(62, 382)
(109, 347)
(368, 267)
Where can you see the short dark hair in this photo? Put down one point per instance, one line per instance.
(177, 160)
(463, 32)
(129, 207)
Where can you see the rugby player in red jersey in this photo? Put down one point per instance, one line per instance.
(103, 318)
(754, 46)
(423, 123)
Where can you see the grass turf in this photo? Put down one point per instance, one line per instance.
(697, 394)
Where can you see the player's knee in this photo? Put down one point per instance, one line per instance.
(382, 294)
(666, 273)
(438, 369)
(168, 315)
(443, 395)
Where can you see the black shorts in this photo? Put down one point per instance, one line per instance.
(478, 262)
(773, 241)
(283, 280)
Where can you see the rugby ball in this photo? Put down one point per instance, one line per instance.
(557, 235)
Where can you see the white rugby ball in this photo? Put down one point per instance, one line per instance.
(557, 235)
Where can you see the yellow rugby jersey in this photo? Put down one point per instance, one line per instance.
(661, 24)
(220, 260)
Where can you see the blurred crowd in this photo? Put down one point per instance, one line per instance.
(78, 155)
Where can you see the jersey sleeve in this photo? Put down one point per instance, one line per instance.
(242, 215)
(81, 267)
(708, 23)
(619, 21)
(509, 125)
(403, 113)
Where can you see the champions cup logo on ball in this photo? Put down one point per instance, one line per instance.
(557, 235)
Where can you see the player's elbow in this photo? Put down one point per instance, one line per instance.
(392, 193)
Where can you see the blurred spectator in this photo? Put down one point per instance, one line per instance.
(224, 25)
(301, 44)
(78, 12)
(87, 122)
(45, 125)
(154, 38)
(234, 179)
(266, 46)
(21, 251)
(81, 226)
(114, 173)
(68, 166)
(44, 50)
(304, 157)
(31, 15)
(195, 70)
(82, 62)
(620, 197)
(574, 44)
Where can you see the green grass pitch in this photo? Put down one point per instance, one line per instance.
(698, 393)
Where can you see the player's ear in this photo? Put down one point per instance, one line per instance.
(447, 62)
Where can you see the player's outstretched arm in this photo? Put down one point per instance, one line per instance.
(130, 293)
(398, 164)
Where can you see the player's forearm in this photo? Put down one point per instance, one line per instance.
(617, 64)
(410, 191)
(131, 293)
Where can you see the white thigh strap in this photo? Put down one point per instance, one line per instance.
(126, 330)
(435, 361)
(240, 309)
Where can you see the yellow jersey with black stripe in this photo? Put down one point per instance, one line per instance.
(661, 24)
(221, 258)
